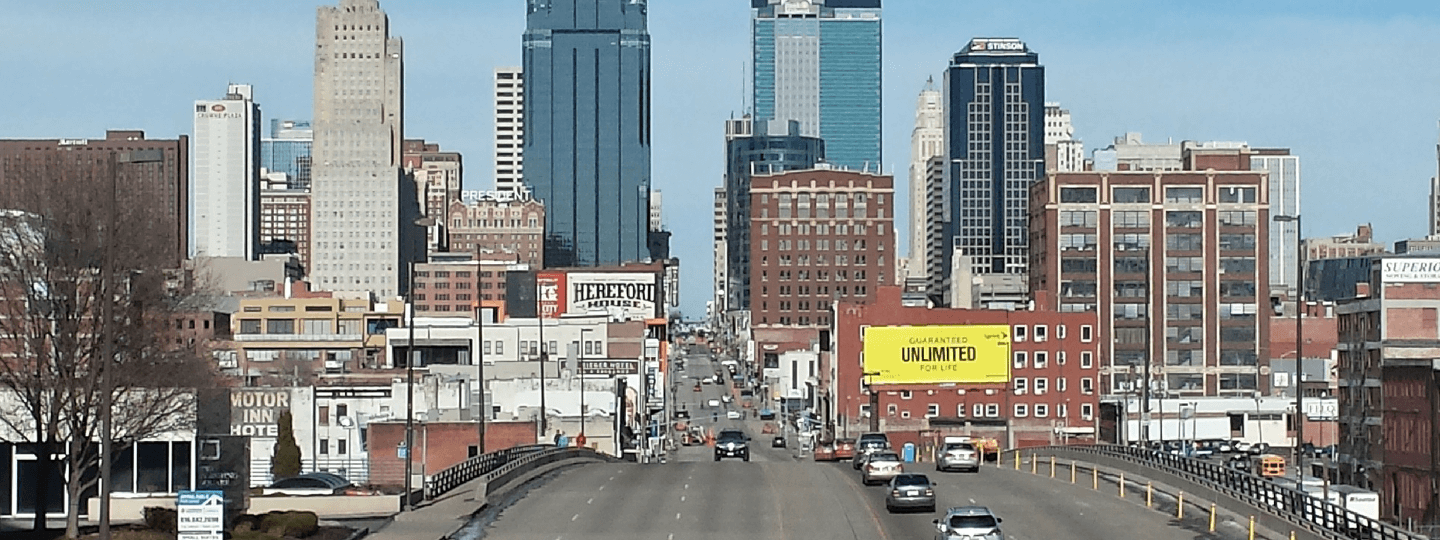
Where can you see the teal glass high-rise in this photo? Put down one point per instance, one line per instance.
(587, 128)
(817, 62)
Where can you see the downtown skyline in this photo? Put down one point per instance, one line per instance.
(1273, 76)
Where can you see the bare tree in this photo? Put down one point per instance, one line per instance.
(83, 292)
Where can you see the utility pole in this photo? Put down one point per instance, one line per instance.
(411, 357)
(482, 408)
(1299, 344)
(540, 320)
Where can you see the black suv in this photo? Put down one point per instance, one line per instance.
(732, 443)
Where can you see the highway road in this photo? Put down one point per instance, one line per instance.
(781, 496)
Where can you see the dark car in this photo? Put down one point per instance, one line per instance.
(732, 443)
(311, 483)
(910, 492)
(778, 442)
(869, 442)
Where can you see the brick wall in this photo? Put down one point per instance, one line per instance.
(438, 446)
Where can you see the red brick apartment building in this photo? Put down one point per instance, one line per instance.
(1389, 382)
(818, 235)
(156, 185)
(1051, 395)
(451, 289)
(499, 227)
(1102, 241)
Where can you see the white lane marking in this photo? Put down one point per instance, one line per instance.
(972, 501)
(677, 515)
(602, 488)
(592, 499)
(672, 536)
(682, 498)
(574, 517)
(687, 486)
(612, 477)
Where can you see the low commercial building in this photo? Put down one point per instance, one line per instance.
(1389, 340)
(1024, 377)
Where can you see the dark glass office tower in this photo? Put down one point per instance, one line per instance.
(587, 128)
(995, 145)
(751, 148)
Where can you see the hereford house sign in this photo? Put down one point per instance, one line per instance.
(634, 294)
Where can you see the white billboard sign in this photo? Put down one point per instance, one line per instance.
(631, 295)
(201, 512)
(1410, 270)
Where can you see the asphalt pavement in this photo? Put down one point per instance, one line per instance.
(781, 495)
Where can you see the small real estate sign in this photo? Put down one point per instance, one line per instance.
(200, 515)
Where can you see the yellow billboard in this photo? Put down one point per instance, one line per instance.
(937, 354)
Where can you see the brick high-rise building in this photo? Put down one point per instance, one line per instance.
(159, 189)
(499, 226)
(453, 288)
(1102, 241)
(817, 236)
(438, 177)
(285, 222)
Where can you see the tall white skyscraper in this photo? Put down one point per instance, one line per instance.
(226, 198)
(364, 210)
(509, 129)
(1063, 152)
(1284, 201)
(926, 141)
(1435, 196)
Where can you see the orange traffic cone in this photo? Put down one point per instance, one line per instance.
(710, 437)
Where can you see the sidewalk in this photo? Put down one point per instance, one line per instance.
(437, 519)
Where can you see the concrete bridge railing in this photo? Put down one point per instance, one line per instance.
(1275, 506)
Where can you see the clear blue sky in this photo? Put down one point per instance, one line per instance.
(1353, 87)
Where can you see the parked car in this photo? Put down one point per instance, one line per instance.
(910, 491)
(714, 403)
(732, 414)
(778, 442)
(969, 523)
(311, 483)
(767, 414)
(1258, 449)
(880, 467)
(844, 449)
(870, 442)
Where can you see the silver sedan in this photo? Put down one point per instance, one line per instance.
(910, 492)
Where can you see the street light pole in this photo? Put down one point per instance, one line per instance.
(410, 390)
(540, 321)
(874, 401)
(1299, 342)
(580, 374)
(482, 410)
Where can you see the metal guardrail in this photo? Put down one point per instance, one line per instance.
(444, 481)
(1318, 516)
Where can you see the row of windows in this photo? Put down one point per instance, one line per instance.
(990, 410)
(1141, 195)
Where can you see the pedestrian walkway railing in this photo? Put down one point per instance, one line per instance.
(444, 481)
(1311, 513)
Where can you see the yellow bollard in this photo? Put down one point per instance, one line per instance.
(1180, 506)
(1017, 460)
(1252, 528)
(1292, 535)
(1094, 478)
(1072, 471)
(1212, 517)
(1122, 485)
(1149, 493)
(1034, 464)
(1052, 466)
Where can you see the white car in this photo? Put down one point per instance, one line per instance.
(732, 415)
(714, 403)
(726, 398)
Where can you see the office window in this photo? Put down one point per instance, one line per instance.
(978, 410)
(1087, 385)
(1078, 195)
(324, 447)
(1040, 333)
(1021, 385)
(932, 410)
(1042, 410)
(342, 447)
(1021, 410)
(891, 409)
(992, 410)
(1041, 385)
(1019, 333)
(1085, 333)
(904, 394)
(1020, 359)
(1060, 333)
(1237, 194)
(1184, 195)
(1060, 384)
(1041, 358)
(960, 410)
(1130, 195)
(1087, 411)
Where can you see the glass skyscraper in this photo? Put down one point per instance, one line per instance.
(587, 128)
(818, 62)
(288, 150)
(995, 144)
